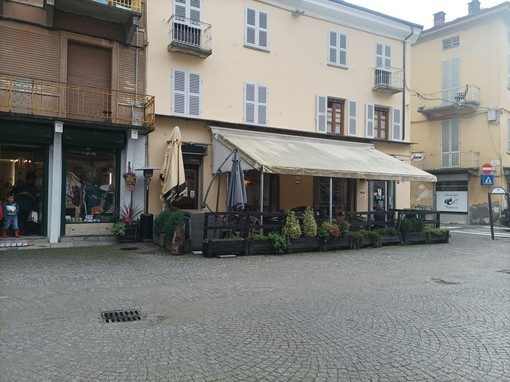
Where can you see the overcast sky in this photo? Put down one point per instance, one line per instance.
(421, 11)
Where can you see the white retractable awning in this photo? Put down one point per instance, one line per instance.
(296, 155)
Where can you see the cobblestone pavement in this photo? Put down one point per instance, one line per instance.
(402, 313)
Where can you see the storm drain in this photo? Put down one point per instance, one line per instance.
(441, 281)
(121, 316)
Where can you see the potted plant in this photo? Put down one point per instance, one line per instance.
(374, 237)
(303, 239)
(261, 244)
(359, 239)
(412, 230)
(437, 235)
(291, 228)
(160, 222)
(388, 235)
(232, 245)
(174, 229)
(125, 227)
(281, 243)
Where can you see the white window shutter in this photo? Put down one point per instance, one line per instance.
(179, 92)
(508, 134)
(194, 10)
(322, 114)
(180, 8)
(262, 105)
(263, 30)
(194, 100)
(369, 120)
(250, 26)
(343, 50)
(332, 48)
(397, 124)
(249, 103)
(352, 117)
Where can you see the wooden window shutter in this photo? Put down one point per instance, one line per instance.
(322, 114)
(352, 117)
(397, 124)
(179, 92)
(369, 120)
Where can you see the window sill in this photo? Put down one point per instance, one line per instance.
(256, 47)
(345, 67)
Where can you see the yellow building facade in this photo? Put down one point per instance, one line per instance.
(460, 114)
(313, 97)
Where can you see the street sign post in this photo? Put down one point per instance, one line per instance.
(487, 180)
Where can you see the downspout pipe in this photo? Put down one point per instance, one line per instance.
(404, 46)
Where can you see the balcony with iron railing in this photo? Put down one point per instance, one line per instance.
(388, 79)
(468, 160)
(115, 11)
(451, 103)
(189, 36)
(39, 98)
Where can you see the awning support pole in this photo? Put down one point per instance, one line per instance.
(330, 199)
(261, 198)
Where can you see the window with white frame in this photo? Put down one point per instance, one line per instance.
(450, 81)
(337, 49)
(186, 94)
(450, 143)
(382, 56)
(255, 104)
(335, 116)
(185, 28)
(377, 120)
(256, 29)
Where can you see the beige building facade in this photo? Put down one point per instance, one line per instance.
(312, 96)
(461, 113)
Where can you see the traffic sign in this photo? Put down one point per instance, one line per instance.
(487, 168)
(487, 180)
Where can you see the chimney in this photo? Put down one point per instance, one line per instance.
(439, 18)
(474, 7)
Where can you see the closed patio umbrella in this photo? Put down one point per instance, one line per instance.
(173, 180)
(236, 190)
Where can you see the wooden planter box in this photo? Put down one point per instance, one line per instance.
(365, 243)
(414, 238)
(263, 246)
(390, 240)
(336, 244)
(217, 247)
(306, 244)
(437, 239)
(159, 239)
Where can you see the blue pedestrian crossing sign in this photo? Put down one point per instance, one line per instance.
(487, 180)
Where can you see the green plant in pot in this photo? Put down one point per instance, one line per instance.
(329, 231)
(125, 227)
(309, 223)
(291, 228)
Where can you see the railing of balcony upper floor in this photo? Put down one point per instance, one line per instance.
(450, 160)
(35, 97)
(132, 5)
(455, 101)
(388, 79)
(189, 36)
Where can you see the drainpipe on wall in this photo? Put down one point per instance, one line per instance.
(404, 43)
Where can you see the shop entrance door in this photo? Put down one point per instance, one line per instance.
(22, 173)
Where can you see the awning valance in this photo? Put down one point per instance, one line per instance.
(296, 155)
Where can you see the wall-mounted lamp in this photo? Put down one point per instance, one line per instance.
(59, 126)
(297, 13)
(297, 180)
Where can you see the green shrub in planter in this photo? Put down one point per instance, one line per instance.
(374, 237)
(408, 225)
(329, 230)
(309, 223)
(291, 228)
(280, 243)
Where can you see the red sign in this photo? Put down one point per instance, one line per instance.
(487, 168)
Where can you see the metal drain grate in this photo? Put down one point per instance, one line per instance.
(121, 316)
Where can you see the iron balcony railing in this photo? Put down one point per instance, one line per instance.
(60, 100)
(467, 96)
(132, 5)
(189, 34)
(388, 79)
(469, 159)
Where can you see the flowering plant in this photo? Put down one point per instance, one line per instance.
(130, 180)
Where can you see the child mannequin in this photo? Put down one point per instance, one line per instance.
(10, 210)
